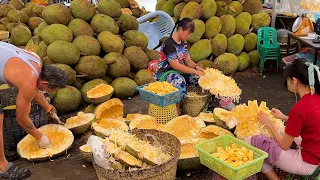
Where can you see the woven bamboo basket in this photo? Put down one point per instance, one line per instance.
(195, 102)
(4, 35)
(12, 132)
(165, 171)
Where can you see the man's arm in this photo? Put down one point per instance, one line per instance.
(23, 103)
(41, 100)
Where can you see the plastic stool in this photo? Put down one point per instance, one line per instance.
(163, 114)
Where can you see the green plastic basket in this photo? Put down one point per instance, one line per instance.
(208, 147)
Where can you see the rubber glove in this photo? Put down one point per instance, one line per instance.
(44, 142)
(54, 117)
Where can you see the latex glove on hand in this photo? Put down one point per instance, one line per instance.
(44, 142)
(53, 117)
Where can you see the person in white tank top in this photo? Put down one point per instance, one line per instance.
(24, 70)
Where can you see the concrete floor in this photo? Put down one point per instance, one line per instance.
(269, 88)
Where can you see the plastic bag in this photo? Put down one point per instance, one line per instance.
(285, 7)
(98, 150)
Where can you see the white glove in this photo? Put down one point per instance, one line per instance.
(44, 142)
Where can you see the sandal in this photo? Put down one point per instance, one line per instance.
(14, 172)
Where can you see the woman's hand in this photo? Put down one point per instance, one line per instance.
(199, 68)
(277, 113)
(265, 120)
(199, 73)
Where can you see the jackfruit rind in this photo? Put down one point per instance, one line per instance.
(34, 22)
(82, 9)
(168, 7)
(100, 93)
(222, 8)
(228, 25)
(38, 10)
(56, 32)
(219, 44)
(102, 22)
(209, 8)
(67, 99)
(80, 123)
(159, 4)
(198, 31)
(137, 57)
(90, 109)
(63, 52)
(205, 64)
(110, 42)
(227, 63)
(4, 21)
(235, 44)
(187, 148)
(61, 139)
(17, 4)
(103, 127)
(70, 72)
(152, 54)
(110, 8)
(111, 109)
(118, 65)
(80, 27)
(124, 3)
(178, 9)
(254, 58)
(250, 42)
(191, 10)
(234, 8)
(259, 20)
(30, 5)
(213, 131)
(127, 22)
(244, 61)
(136, 38)
(17, 16)
(252, 6)
(28, 12)
(213, 27)
(57, 14)
(20, 35)
(38, 30)
(89, 85)
(87, 45)
(145, 122)
(91, 66)
(144, 76)
(200, 50)
(3, 27)
(243, 22)
(124, 87)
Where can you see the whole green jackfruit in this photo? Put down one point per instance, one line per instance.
(110, 8)
(38, 30)
(252, 6)
(101, 22)
(80, 27)
(244, 61)
(67, 99)
(36, 45)
(226, 1)
(43, 49)
(209, 8)
(57, 14)
(4, 21)
(89, 85)
(160, 4)
(234, 8)
(7, 8)
(191, 10)
(136, 12)
(178, 9)
(187, 1)
(17, 16)
(254, 58)
(63, 52)
(259, 20)
(20, 35)
(235, 44)
(28, 12)
(2, 27)
(152, 54)
(136, 38)
(205, 64)
(82, 9)
(70, 72)
(34, 22)
(118, 65)
(108, 79)
(38, 10)
(92, 66)
(222, 8)
(228, 25)
(17, 4)
(124, 87)
(219, 44)
(90, 109)
(144, 76)
(78, 83)
(30, 5)
(110, 42)
(198, 31)
(56, 32)
(243, 22)
(250, 42)
(213, 27)
(10, 26)
(87, 45)
(137, 57)
(227, 63)
(127, 22)
(124, 3)
(200, 50)
(168, 7)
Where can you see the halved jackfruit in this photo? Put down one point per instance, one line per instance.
(224, 118)
(100, 93)
(102, 128)
(80, 123)
(86, 152)
(61, 140)
(213, 131)
(189, 157)
(184, 127)
(130, 117)
(145, 122)
(111, 109)
(207, 118)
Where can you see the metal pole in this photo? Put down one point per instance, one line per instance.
(274, 13)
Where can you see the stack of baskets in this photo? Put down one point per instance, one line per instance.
(12, 132)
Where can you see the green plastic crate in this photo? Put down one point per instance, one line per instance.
(208, 147)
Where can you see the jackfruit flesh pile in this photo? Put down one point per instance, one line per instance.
(160, 88)
(234, 156)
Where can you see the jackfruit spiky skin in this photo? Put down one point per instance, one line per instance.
(226, 62)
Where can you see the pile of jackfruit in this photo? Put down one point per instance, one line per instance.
(225, 31)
